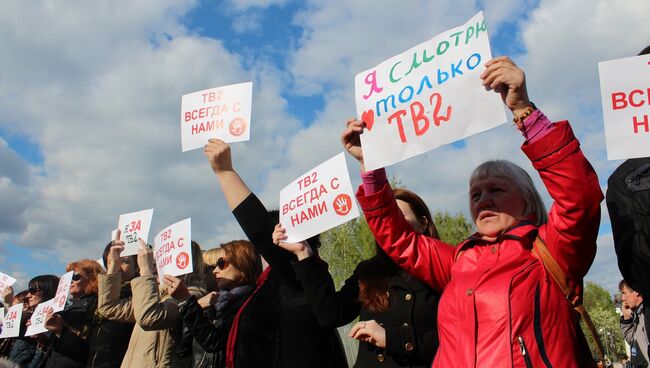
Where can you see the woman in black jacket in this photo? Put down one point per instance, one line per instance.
(70, 328)
(237, 269)
(301, 340)
(397, 326)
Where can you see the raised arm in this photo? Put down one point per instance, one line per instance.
(427, 259)
(573, 222)
(109, 303)
(251, 214)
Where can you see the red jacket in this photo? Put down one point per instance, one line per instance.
(496, 292)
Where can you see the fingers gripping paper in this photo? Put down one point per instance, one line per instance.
(427, 96)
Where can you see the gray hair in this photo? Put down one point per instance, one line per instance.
(535, 207)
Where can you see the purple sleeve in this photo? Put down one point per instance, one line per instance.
(374, 180)
(536, 126)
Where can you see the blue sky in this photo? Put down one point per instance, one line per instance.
(90, 105)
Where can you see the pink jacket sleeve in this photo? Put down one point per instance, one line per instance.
(425, 258)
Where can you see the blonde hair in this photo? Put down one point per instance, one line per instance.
(535, 208)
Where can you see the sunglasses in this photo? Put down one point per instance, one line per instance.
(33, 290)
(222, 263)
(77, 277)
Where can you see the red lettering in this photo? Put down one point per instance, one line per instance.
(636, 92)
(419, 116)
(436, 110)
(180, 242)
(188, 116)
(334, 186)
(397, 115)
(236, 107)
(637, 123)
(618, 101)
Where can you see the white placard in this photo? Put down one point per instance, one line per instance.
(6, 281)
(38, 319)
(625, 93)
(221, 112)
(172, 249)
(427, 96)
(134, 225)
(62, 291)
(317, 201)
(11, 322)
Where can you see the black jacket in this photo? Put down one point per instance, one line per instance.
(410, 321)
(71, 348)
(108, 340)
(210, 330)
(302, 342)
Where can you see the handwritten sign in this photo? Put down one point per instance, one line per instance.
(427, 96)
(625, 93)
(172, 249)
(11, 322)
(134, 225)
(38, 319)
(6, 281)
(317, 201)
(62, 291)
(222, 112)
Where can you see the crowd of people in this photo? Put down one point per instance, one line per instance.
(418, 301)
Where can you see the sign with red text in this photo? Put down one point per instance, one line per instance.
(427, 96)
(321, 199)
(222, 112)
(38, 319)
(62, 291)
(172, 249)
(134, 226)
(11, 321)
(6, 281)
(625, 93)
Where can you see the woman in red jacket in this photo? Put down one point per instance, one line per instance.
(499, 306)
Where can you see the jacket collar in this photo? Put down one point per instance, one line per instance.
(524, 229)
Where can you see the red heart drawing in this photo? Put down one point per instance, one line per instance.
(368, 117)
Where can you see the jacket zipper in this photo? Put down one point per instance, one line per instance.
(95, 355)
(524, 352)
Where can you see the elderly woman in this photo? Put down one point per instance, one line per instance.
(499, 306)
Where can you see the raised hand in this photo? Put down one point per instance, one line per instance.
(502, 75)
(145, 259)
(218, 154)
(54, 322)
(113, 258)
(370, 332)
(302, 250)
(176, 288)
(351, 139)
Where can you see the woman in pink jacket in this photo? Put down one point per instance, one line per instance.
(499, 305)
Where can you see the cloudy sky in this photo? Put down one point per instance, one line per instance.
(90, 104)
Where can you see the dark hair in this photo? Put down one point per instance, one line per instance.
(645, 51)
(375, 273)
(91, 269)
(624, 284)
(133, 257)
(196, 278)
(242, 255)
(46, 283)
(419, 208)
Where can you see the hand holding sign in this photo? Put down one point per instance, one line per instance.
(503, 76)
(145, 259)
(176, 288)
(218, 154)
(351, 139)
(113, 257)
(302, 249)
(54, 322)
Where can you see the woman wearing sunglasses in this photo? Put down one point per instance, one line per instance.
(71, 327)
(25, 352)
(237, 267)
